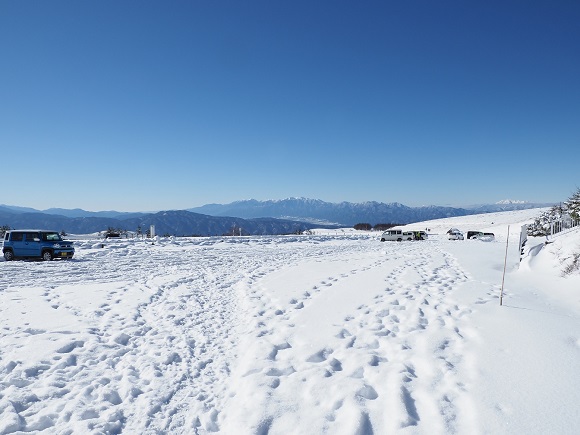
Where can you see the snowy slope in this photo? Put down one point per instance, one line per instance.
(331, 333)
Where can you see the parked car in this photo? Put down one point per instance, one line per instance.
(400, 235)
(420, 235)
(478, 235)
(43, 244)
(455, 234)
(397, 235)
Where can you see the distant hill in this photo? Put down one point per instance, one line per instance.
(77, 212)
(72, 213)
(180, 223)
(252, 216)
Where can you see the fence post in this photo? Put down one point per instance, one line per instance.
(504, 266)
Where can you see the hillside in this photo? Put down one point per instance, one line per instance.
(176, 222)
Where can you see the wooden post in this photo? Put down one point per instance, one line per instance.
(504, 266)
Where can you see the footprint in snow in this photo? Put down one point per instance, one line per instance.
(410, 407)
(343, 334)
(280, 372)
(320, 356)
(71, 346)
(274, 352)
(367, 392)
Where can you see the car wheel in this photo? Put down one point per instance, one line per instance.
(399, 240)
(47, 255)
(382, 240)
(409, 239)
(8, 255)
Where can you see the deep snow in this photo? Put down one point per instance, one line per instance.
(330, 333)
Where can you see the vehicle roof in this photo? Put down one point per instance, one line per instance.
(32, 229)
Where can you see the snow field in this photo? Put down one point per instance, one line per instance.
(335, 333)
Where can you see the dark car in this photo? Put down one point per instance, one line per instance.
(43, 244)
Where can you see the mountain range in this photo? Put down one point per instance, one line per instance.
(349, 214)
(243, 217)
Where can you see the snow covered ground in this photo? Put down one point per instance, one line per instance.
(331, 333)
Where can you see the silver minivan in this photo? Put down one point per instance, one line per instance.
(397, 235)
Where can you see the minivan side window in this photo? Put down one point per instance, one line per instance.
(31, 236)
(17, 237)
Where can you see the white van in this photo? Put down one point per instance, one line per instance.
(397, 235)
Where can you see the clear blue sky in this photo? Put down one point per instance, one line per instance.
(151, 105)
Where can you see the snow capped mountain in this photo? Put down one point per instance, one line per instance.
(511, 201)
(344, 213)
